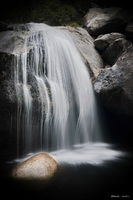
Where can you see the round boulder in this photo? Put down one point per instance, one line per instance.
(39, 166)
(105, 20)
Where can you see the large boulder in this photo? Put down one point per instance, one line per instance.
(111, 46)
(114, 85)
(106, 20)
(39, 166)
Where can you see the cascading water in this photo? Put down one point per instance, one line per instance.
(56, 103)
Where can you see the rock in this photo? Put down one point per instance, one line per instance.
(100, 21)
(129, 31)
(8, 102)
(111, 46)
(103, 41)
(7, 91)
(39, 166)
(114, 85)
(114, 50)
(85, 44)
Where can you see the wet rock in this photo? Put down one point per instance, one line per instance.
(114, 85)
(8, 102)
(100, 21)
(39, 166)
(7, 91)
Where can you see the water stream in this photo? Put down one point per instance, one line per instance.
(56, 103)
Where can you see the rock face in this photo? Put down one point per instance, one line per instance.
(8, 41)
(40, 166)
(114, 85)
(13, 41)
(100, 21)
(111, 46)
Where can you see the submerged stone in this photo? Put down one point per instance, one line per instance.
(39, 166)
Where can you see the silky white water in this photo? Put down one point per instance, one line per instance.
(56, 103)
(83, 154)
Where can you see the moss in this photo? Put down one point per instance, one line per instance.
(74, 24)
(55, 13)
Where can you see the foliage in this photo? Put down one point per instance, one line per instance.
(53, 12)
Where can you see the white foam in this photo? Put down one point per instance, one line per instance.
(80, 154)
(95, 154)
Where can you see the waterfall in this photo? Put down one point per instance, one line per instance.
(56, 106)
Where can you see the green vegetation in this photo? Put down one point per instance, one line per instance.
(52, 12)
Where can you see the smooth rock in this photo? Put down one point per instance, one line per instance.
(114, 51)
(111, 46)
(114, 85)
(103, 41)
(40, 166)
(100, 21)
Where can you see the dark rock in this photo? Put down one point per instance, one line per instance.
(114, 50)
(111, 46)
(103, 41)
(114, 85)
(7, 105)
(129, 31)
(100, 21)
(7, 90)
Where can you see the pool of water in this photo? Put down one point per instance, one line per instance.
(98, 171)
